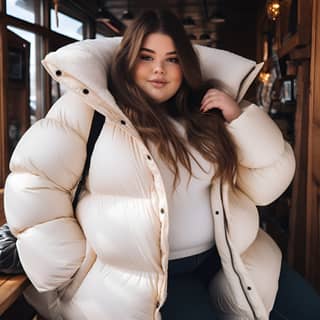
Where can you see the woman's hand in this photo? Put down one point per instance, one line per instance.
(216, 99)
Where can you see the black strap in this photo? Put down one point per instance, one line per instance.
(96, 126)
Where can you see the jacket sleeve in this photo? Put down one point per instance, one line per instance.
(266, 160)
(45, 168)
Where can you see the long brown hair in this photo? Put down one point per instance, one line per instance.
(206, 132)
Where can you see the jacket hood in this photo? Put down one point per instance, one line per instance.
(83, 65)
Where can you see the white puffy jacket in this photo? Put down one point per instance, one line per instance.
(109, 259)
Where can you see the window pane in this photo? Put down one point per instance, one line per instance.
(68, 26)
(28, 10)
(36, 98)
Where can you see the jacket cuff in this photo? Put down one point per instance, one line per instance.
(258, 139)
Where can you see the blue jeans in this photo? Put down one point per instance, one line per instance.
(188, 297)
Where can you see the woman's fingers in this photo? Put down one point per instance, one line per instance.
(211, 102)
(212, 99)
(215, 99)
(210, 93)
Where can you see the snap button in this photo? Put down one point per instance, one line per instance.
(249, 288)
(123, 122)
(85, 91)
(58, 73)
(162, 210)
(149, 158)
(217, 212)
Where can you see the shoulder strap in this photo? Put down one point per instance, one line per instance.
(96, 126)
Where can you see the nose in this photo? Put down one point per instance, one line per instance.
(158, 68)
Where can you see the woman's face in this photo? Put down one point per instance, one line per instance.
(157, 71)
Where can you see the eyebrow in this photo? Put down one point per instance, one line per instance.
(152, 51)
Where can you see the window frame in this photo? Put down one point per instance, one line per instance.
(43, 80)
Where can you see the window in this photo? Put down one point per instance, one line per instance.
(35, 99)
(68, 26)
(28, 10)
(28, 90)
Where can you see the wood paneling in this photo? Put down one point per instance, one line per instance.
(297, 236)
(313, 163)
(2, 217)
(3, 106)
(316, 154)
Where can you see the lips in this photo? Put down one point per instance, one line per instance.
(158, 83)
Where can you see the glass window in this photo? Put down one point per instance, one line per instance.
(68, 26)
(28, 10)
(36, 97)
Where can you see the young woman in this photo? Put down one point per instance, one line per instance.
(166, 225)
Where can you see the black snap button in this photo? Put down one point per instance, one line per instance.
(85, 91)
(162, 210)
(149, 158)
(158, 304)
(249, 288)
(217, 212)
(58, 73)
(123, 122)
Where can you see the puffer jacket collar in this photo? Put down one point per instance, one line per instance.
(83, 66)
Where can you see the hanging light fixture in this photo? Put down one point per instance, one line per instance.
(273, 9)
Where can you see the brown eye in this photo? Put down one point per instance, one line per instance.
(146, 58)
(173, 60)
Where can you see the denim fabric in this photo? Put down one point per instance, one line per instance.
(188, 297)
(296, 299)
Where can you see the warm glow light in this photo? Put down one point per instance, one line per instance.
(264, 77)
(273, 9)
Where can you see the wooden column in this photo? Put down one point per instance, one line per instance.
(297, 235)
(3, 117)
(313, 164)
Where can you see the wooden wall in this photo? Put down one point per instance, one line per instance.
(313, 163)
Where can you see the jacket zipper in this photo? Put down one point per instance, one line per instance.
(230, 252)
